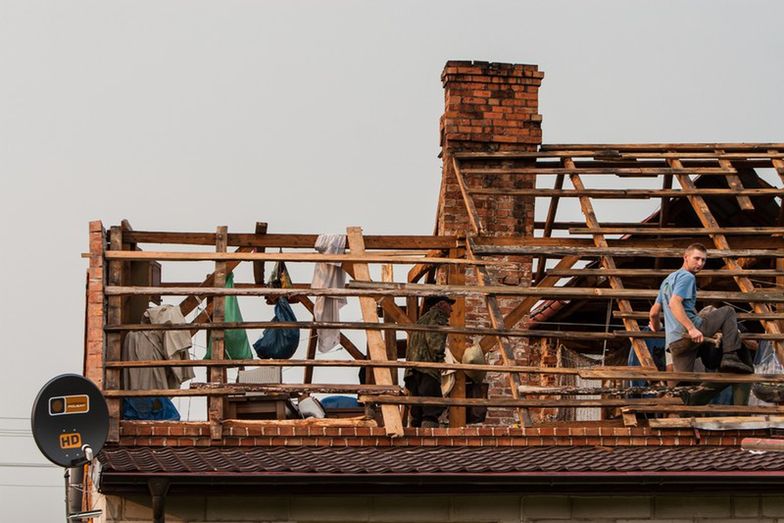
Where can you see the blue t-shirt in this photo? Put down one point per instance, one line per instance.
(684, 284)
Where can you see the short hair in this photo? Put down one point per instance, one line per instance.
(696, 247)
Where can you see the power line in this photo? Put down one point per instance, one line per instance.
(29, 486)
(29, 465)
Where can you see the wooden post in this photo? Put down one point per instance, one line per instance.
(393, 423)
(311, 355)
(456, 276)
(390, 335)
(114, 339)
(258, 266)
(218, 375)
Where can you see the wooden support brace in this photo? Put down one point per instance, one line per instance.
(735, 184)
(218, 375)
(393, 423)
(473, 215)
(114, 339)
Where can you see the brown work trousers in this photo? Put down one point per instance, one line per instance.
(685, 352)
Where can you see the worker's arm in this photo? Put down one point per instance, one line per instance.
(676, 306)
(653, 317)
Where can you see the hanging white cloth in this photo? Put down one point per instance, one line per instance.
(329, 275)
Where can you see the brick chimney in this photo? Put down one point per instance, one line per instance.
(489, 107)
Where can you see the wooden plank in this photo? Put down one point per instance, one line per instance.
(393, 424)
(608, 262)
(552, 210)
(625, 194)
(294, 241)
(390, 335)
(720, 241)
(733, 180)
(516, 403)
(291, 257)
(311, 354)
(420, 269)
(741, 315)
(473, 215)
(680, 231)
(258, 266)
(599, 169)
(750, 147)
(422, 290)
(705, 409)
(603, 154)
(388, 305)
(555, 251)
(114, 339)
(217, 392)
(457, 276)
(610, 373)
(216, 405)
(657, 273)
(719, 423)
(190, 303)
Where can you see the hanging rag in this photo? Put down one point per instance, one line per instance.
(157, 345)
(329, 275)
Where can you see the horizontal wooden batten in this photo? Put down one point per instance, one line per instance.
(743, 336)
(625, 194)
(224, 389)
(680, 231)
(293, 241)
(555, 251)
(651, 273)
(740, 315)
(607, 170)
(290, 257)
(524, 403)
(615, 373)
(407, 327)
(705, 409)
(606, 155)
(758, 147)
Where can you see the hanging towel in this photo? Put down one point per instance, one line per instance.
(329, 275)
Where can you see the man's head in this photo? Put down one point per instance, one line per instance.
(442, 302)
(694, 257)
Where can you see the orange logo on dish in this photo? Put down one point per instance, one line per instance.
(70, 441)
(73, 404)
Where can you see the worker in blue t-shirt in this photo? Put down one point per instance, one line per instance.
(684, 330)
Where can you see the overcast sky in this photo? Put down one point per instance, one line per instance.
(308, 115)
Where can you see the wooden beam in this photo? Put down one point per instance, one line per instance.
(457, 276)
(554, 251)
(294, 241)
(705, 409)
(719, 423)
(390, 335)
(378, 289)
(680, 231)
(720, 241)
(393, 423)
(735, 184)
(473, 215)
(740, 315)
(552, 210)
(608, 262)
(290, 256)
(516, 403)
(311, 354)
(604, 170)
(215, 405)
(745, 147)
(655, 273)
(625, 194)
(216, 391)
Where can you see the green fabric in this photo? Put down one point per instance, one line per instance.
(428, 346)
(235, 344)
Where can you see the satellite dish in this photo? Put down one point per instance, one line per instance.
(70, 420)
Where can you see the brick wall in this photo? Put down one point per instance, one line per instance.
(490, 107)
(249, 433)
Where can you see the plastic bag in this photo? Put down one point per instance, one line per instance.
(279, 344)
(155, 409)
(235, 344)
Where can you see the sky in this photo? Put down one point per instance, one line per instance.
(311, 116)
